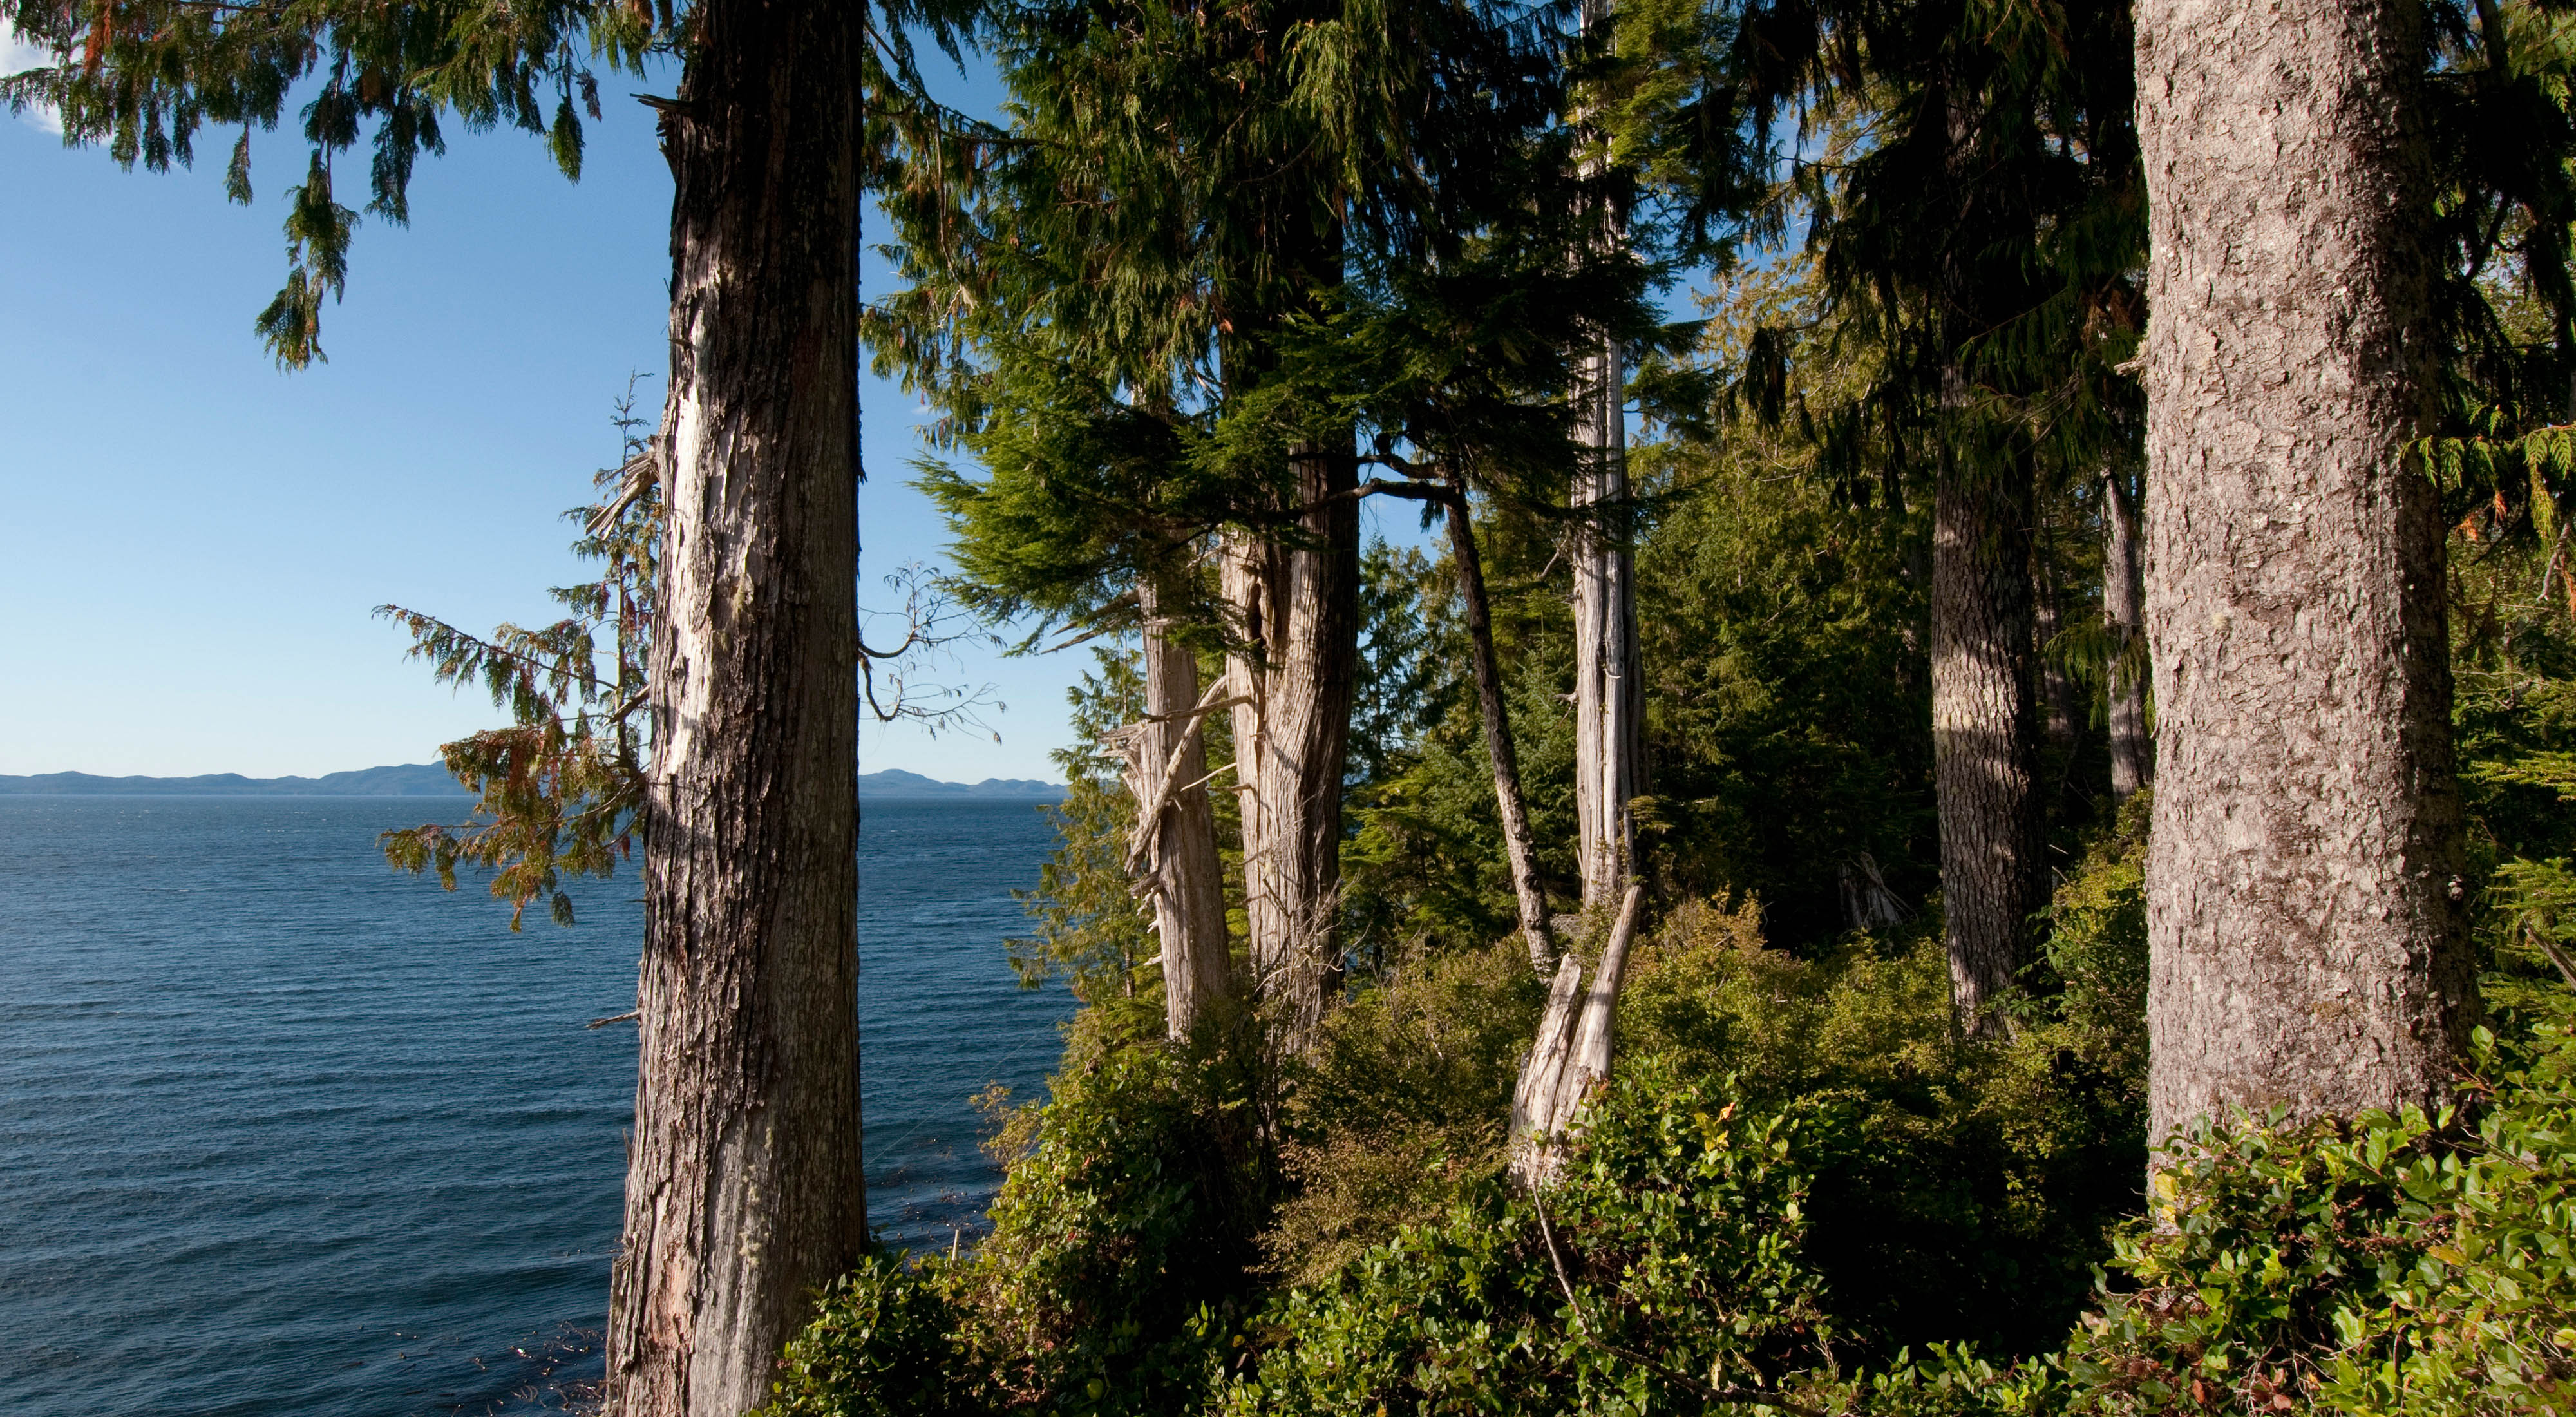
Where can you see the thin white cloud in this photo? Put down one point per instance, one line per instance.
(17, 56)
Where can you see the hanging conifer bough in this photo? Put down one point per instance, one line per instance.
(744, 1191)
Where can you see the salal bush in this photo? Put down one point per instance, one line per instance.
(2396, 1264)
(1664, 1270)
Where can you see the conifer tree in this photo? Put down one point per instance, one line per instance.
(2304, 870)
(1973, 206)
(1280, 260)
(744, 1190)
(1609, 682)
(1090, 516)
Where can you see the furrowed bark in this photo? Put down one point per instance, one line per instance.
(1499, 751)
(1983, 730)
(1298, 607)
(2306, 937)
(1609, 691)
(2124, 609)
(744, 1190)
(1182, 869)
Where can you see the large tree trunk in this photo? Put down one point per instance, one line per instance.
(2124, 610)
(1517, 843)
(744, 1191)
(1297, 607)
(1181, 870)
(2307, 946)
(1609, 691)
(1984, 742)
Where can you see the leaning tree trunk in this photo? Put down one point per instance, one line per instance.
(1180, 866)
(2307, 946)
(2124, 612)
(1609, 693)
(1297, 607)
(1571, 1054)
(1518, 847)
(1984, 738)
(744, 1191)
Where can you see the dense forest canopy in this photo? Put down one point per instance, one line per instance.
(1980, 826)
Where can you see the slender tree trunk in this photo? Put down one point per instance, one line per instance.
(1181, 867)
(1498, 735)
(1609, 698)
(2307, 946)
(1984, 757)
(744, 1191)
(2058, 691)
(2124, 610)
(1609, 692)
(1298, 611)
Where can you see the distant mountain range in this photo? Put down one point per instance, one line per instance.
(431, 780)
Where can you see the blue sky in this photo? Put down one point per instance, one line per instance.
(195, 540)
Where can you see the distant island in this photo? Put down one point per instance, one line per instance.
(432, 780)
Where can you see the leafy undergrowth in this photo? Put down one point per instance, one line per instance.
(1802, 1195)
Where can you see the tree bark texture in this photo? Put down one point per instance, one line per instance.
(744, 1189)
(2307, 944)
(2124, 611)
(1181, 867)
(1514, 808)
(1296, 602)
(1984, 738)
(1573, 1050)
(1609, 690)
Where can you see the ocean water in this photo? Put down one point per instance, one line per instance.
(282, 1132)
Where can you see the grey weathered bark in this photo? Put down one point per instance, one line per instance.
(1983, 721)
(2124, 612)
(1297, 609)
(1499, 752)
(2307, 946)
(1167, 769)
(1609, 690)
(1572, 1051)
(744, 1191)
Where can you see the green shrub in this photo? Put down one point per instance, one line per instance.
(2389, 1265)
(884, 1344)
(1124, 1235)
(1977, 1184)
(1402, 1105)
(1667, 1262)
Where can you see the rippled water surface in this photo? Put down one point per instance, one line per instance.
(284, 1133)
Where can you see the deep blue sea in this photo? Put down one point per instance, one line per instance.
(285, 1133)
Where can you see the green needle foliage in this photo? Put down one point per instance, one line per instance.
(147, 77)
(560, 790)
